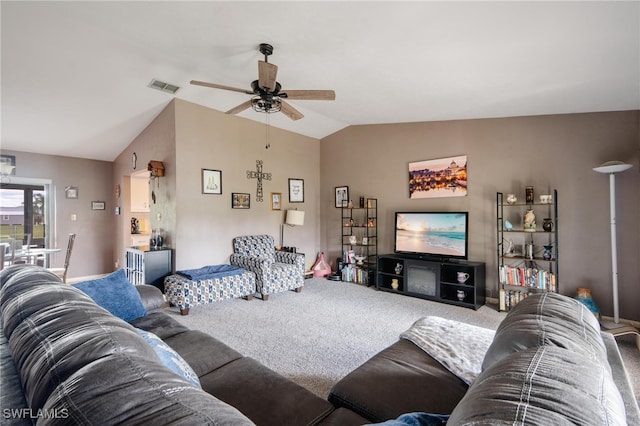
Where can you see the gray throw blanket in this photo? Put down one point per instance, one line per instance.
(210, 272)
(459, 347)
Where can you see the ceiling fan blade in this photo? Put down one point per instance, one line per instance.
(267, 75)
(290, 111)
(240, 107)
(220, 86)
(311, 95)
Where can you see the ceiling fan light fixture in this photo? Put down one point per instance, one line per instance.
(267, 106)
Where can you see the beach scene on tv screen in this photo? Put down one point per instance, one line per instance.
(440, 234)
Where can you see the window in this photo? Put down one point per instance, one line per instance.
(23, 211)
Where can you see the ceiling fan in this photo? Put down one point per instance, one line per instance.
(268, 95)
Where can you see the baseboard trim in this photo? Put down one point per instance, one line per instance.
(632, 323)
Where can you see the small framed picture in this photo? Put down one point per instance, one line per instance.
(211, 181)
(71, 192)
(240, 200)
(342, 196)
(365, 241)
(276, 201)
(296, 190)
(97, 205)
(8, 164)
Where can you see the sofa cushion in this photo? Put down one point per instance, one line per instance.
(545, 385)
(343, 417)
(76, 359)
(116, 294)
(159, 323)
(203, 352)
(126, 390)
(547, 319)
(54, 329)
(400, 379)
(280, 401)
(11, 396)
(152, 297)
(169, 357)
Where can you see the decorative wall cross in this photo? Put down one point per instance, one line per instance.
(258, 175)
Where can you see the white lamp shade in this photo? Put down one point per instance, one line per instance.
(294, 218)
(612, 167)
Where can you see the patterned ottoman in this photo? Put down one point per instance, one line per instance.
(185, 293)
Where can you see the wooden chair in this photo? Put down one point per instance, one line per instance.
(62, 272)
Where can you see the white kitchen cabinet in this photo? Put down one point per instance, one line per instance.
(139, 194)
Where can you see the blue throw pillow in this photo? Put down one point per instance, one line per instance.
(170, 358)
(417, 419)
(116, 294)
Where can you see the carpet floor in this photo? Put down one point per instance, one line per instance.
(316, 337)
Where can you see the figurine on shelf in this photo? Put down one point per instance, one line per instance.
(395, 284)
(529, 194)
(350, 205)
(530, 221)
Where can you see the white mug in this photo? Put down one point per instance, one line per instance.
(462, 277)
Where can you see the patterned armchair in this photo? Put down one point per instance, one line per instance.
(275, 271)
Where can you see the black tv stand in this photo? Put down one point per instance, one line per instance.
(433, 279)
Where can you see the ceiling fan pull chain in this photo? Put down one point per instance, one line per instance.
(268, 144)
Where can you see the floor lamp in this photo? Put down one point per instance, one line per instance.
(611, 168)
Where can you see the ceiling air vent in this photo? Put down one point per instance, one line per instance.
(165, 87)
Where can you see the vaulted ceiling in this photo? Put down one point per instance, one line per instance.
(75, 75)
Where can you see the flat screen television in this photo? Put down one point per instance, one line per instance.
(438, 235)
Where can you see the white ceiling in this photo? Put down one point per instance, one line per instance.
(75, 74)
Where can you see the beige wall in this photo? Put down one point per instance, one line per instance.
(94, 244)
(200, 227)
(206, 224)
(156, 142)
(506, 154)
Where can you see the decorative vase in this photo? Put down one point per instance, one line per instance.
(548, 253)
(511, 199)
(398, 268)
(530, 221)
(584, 296)
(461, 295)
(394, 284)
(547, 224)
(528, 191)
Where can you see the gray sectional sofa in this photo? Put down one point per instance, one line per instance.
(66, 360)
(548, 364)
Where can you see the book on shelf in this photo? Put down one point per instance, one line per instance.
(510, 298)
(353, 273)
(527, 277)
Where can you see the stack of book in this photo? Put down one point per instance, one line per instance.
(528, 277)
